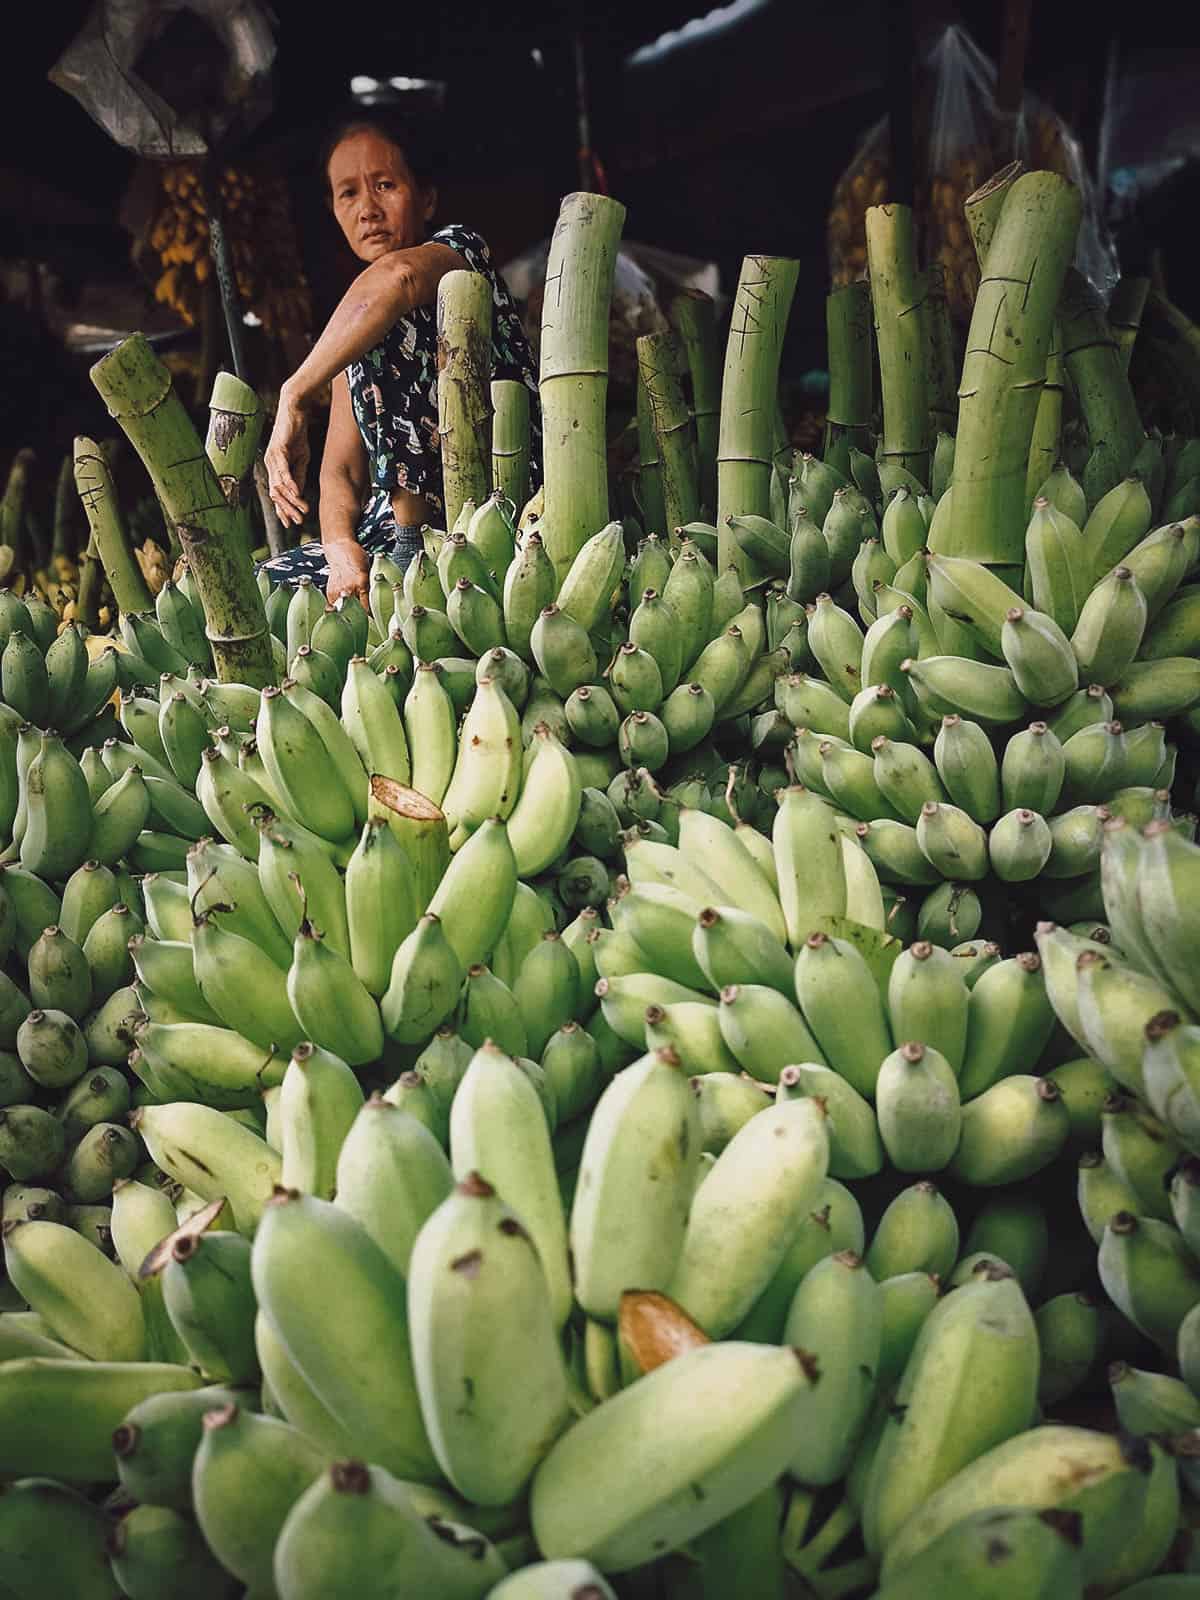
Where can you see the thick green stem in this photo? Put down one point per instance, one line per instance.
(983, 206)
(851, 371)
(1125, 314)
(574, 372)
(234, 427)
(136, 388)
(1005, 368)
(66, 512)
(694, 318)
(510, 440)
(91, 583)
(12, 506)
(750, 398)
(650, 488)
(897, 295)
(464, 323)
(1047, 425)
(1101, 384)
(660, 363)
(942, 367)
(94, 481)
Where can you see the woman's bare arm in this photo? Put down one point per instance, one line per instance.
(378, 297)
(343, 484)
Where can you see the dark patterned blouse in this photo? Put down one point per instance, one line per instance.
(393, 390)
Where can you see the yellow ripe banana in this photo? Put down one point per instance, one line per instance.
(481, 1321)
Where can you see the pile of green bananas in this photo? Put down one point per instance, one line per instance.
(500, 1124)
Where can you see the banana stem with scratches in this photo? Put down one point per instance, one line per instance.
(93, 480)
(694, 317)
(137, 390)
(660, 363)
(464, 356)
(1101, 385)
(573, 378)
(897, 296)
(851, 373)
(510, 440)
(1004, 371)
(234, 428)
(750, 399)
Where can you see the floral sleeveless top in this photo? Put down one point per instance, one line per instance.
(393, 390)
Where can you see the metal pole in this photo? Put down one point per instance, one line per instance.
(222, 257)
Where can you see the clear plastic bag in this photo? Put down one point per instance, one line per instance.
(961, 138)
(99, 68)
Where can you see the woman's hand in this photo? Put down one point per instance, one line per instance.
(349, 572)
(286, 460)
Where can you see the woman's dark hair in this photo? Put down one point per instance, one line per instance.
(415, 136)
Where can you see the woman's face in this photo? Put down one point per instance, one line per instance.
(378, 203)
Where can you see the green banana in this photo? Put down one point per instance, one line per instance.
(86, 1300)
(855, 1148)
(207, 1292)
(974, 597)
(58, 812)
(1054, 1466)
(59, 976)
(1142, 1152)
(646, 1498)
(842, 1006)
(318, 1103)
(53, 1543)
(391, 1176)
(329, 1000)
(497, 1129)
(980, 1340)
(928, 1001)
(372, 719)
(836, 1319)
(212, 1155)
(248, 1473)
(918, 1232)
(487, 774)
(546, 990)
(242, 986)
(1110, 627)
(299, 1237)
(764, 1032)
(626, 1167)
(917, 1104)
(768, 1177)
(476, 1294)
(425, 981)
(1057, 563)
(808, 861)
(966, 764)
(1009, 1022)
(947, 685)
(996, 1553)
(1010, 1131)
(296, 880)
(358, 1529)
(155, 1550)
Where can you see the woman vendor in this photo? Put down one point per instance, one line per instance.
(381, 474)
